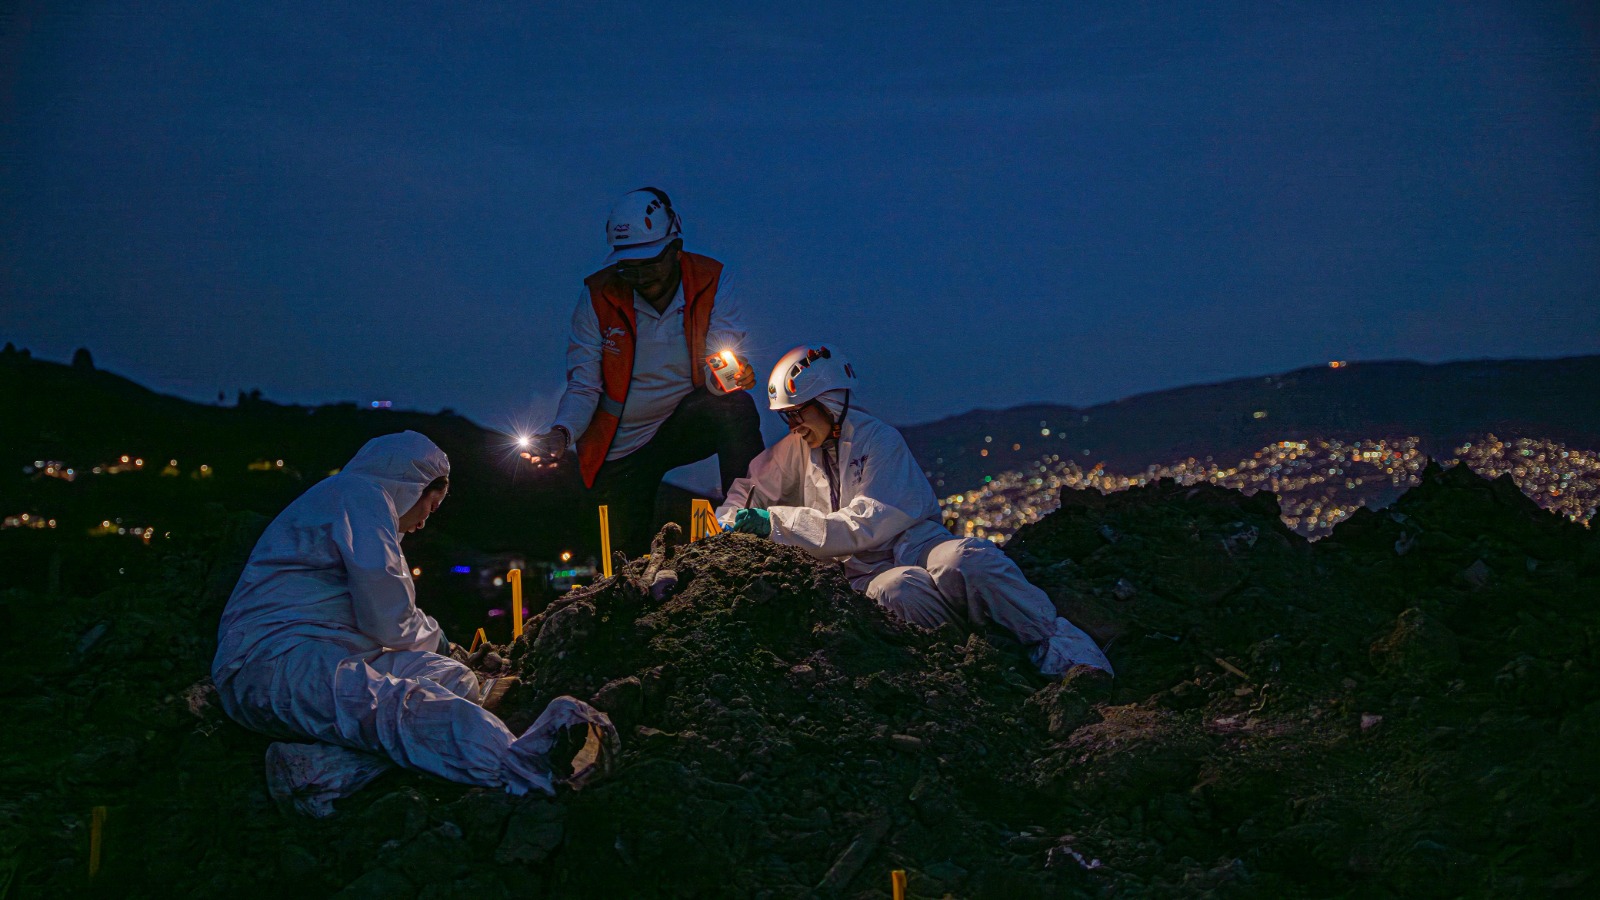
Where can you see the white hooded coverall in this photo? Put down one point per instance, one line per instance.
(866, 503)
(322, 640)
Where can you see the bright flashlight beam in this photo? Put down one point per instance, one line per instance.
(524, 441)
(727, 357)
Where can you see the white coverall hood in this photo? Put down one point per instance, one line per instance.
(401, 464)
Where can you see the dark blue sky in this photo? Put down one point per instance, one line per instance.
(986, 204)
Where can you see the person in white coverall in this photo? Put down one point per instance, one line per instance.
(322, 641)
(843, 485)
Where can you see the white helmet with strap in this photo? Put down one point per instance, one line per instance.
(641, 224)
(805, 373)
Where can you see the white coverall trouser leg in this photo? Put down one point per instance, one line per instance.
(971, 582)
(415, 708)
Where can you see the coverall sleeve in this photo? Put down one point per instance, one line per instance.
(582, 395)
(885, 482)
(773, 478)
(726, 329)
(382, 595)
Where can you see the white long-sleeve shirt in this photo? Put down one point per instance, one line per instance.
(865, 502)
(661, 364)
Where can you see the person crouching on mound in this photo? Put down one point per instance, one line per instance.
(843, 485)
(322, 646)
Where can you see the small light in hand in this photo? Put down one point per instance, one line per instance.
(524, 441)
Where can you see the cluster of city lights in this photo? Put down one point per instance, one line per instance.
(1318, 483)
(109, 527)
(53, 468)
(27, 520)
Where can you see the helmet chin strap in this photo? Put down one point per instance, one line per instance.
(838, 424)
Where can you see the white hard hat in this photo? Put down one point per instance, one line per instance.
(641, 224)
(806, 372)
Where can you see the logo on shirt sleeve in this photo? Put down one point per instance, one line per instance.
(608, 342)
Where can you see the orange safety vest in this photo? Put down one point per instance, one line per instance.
(613, 307)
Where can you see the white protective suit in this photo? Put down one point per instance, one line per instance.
(866, 503)
(322, 640)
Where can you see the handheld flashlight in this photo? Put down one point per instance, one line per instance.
(726, 367)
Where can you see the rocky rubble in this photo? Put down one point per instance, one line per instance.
(1406, 708)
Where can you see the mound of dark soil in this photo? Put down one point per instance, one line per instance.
(1407, 708)
(781, 733)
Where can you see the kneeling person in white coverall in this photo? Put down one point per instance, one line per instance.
(843, 485)
(322, 641)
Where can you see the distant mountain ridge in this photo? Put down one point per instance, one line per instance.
(1442, 404)
(83, 415)
(86, 417)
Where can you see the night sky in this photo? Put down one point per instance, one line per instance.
(984, 204)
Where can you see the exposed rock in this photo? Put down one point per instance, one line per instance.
(534, 831)
(1417, 645)
(622, 700)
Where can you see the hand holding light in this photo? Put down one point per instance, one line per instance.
(732, 370)
(546, 448)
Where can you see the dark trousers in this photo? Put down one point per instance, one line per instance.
(704, 423)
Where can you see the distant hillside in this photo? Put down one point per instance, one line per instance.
(86, 418)
(1440, 404)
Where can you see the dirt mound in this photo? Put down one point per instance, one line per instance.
(1407, 707)
(1290, 718)
(780, 732)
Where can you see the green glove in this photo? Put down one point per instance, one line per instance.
(753, 521)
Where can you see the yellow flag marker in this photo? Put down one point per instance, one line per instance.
(897, 883)
(702, 519)
(97, 823)
(477, 639)
(515, 577)
(605, 540)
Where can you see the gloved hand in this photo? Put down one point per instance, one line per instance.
(753, 521)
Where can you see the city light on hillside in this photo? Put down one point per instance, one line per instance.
(1319, 482)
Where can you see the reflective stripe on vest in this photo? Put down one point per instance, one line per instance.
(613, 309)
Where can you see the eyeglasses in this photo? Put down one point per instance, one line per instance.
(794, 415)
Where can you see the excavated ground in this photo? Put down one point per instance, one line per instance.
(1407, 708)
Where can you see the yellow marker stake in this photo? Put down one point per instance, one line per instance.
(477, 639)
(605, 540)
(897, 883)
(702, 519)
(97, 822)
(515, 577)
